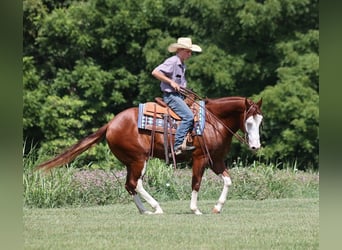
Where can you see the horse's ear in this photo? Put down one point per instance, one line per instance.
(259, 103)
(247, 103)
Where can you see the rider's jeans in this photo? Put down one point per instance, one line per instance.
(177, 104)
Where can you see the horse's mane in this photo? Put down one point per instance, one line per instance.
(225, 99)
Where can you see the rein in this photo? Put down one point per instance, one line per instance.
(187, 92)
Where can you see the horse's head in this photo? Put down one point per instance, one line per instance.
(252, 122)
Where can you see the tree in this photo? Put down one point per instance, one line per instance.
(85, 61)
(33, 99)
(290, 129)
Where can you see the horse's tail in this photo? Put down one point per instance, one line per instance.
(75, 150)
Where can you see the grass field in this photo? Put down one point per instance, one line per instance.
(243, 224)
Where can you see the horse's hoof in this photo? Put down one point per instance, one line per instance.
(147, 212)
(197, 212)
(216, 211)
(159, 211)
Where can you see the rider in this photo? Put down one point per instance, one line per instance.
(171, 73)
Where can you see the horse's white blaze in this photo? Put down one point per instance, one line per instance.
(252, 125)
(146, 196)
(223, 197)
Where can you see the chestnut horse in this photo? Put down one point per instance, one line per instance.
(224, 117)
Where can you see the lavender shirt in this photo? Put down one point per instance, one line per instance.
(173, 68)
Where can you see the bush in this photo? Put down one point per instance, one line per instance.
(70, 186)
(261, 181)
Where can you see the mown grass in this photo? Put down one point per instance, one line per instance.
(243, 224)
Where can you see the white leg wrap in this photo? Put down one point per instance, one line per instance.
(139, 204)
(149, 199)
(193, 203)
(227, 182)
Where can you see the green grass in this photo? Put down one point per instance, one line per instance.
(243, 224)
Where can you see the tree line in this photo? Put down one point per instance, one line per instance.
(85, 61)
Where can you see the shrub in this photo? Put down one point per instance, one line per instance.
(71, 186)
(260, 181)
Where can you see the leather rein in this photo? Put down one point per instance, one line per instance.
(189, 93)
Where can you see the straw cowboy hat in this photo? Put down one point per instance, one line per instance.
(184, 43)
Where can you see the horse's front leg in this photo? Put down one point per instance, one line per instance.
(197, 173)
(223, 197)
(193, 203)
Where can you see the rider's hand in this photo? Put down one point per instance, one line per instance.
(175, 85)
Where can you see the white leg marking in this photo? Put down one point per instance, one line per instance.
(193, 203)
(227, 182)
(146, 196)
(143, 171)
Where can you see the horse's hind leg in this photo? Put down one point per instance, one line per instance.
(154, 204)
(134, 186)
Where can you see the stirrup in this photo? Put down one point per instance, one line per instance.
(180, 149)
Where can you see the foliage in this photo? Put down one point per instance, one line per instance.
(293, 116)
(93, 186)
(84, 61)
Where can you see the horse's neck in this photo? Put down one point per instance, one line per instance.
(225, 116)
(226, 107)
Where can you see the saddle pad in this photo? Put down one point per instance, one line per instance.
(146, 121)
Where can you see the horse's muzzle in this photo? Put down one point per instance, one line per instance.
(254, 148)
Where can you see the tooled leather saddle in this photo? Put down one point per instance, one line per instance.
(159, 117)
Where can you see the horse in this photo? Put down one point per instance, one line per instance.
(131, 146)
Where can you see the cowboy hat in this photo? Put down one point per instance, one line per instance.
(184, 43)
